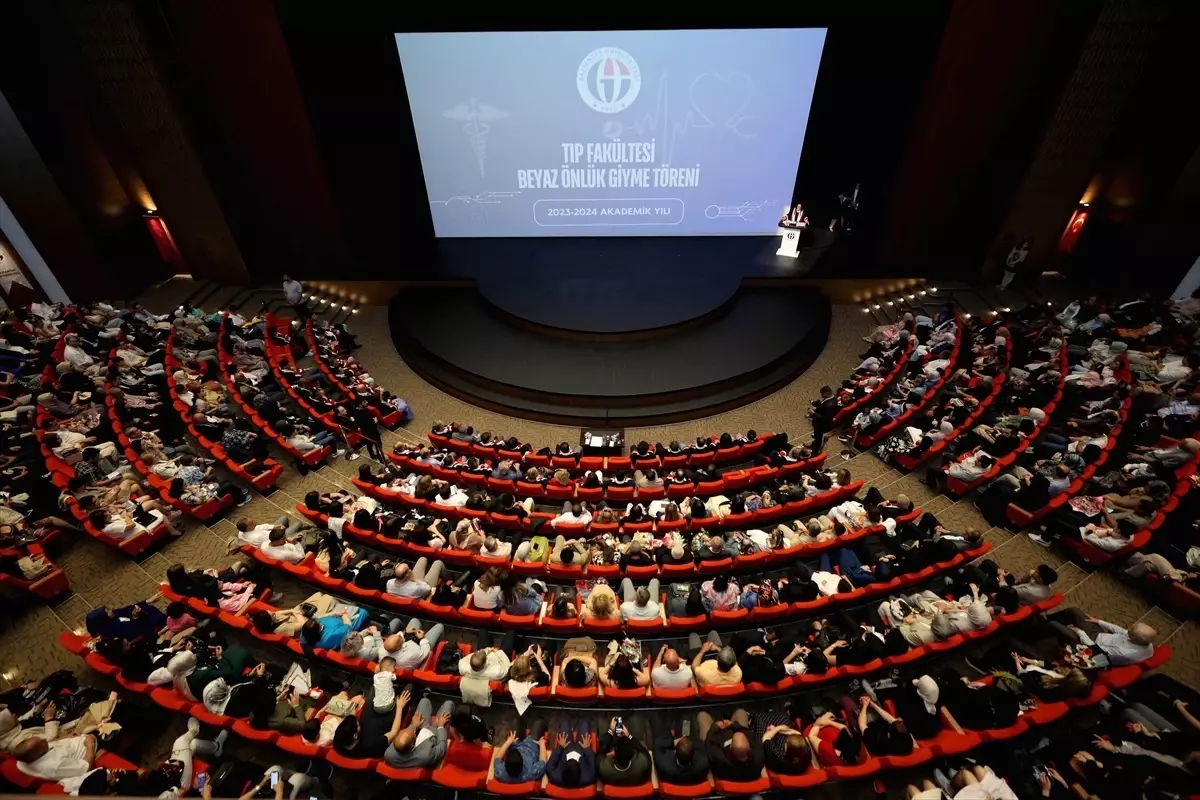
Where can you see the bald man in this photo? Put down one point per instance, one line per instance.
(670, 671)
(735, 752)
(1123, 647)
(421, 743)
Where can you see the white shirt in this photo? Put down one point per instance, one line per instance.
(826, 582)
(571, 519)
(69, 439)
(291, 552)
(385, 689)
(664, 678)
(66, 758)
(293, 291)
(410, 587)
(258, 535)
(631, 610)
(410, 655)
(79, 359)
(485, 598)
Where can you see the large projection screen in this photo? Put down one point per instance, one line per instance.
(610, 133)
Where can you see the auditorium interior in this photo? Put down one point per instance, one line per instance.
(854, 492)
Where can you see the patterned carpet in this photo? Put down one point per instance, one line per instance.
(102, 576)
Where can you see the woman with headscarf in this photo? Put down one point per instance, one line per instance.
(251, 697)
(916, 703)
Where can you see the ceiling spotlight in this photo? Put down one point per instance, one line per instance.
(1049, 303)
(968, 316)
(323, 301)
(890, 303)
(933, 288)
(911, 296)
(922, 293)
(1007, 310)
(876, 306)
(355, 311)
(993, 311)
(866, 309)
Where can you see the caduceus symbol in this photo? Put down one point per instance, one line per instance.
(476, 115)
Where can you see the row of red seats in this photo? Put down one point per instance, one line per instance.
(744, 563)
(959, 488)
(725, 455)
(310, 459)
(1098, 557)
(733, 481)
(427, 677)
(865, 441)
(466, 767)
(54, 582)
(849, 411)
(389, 420)
(1019, 517)
(910, 463)
(204, 512)
(60, 474)
(307, 571)
(261, 481)
(281, 355)
(742, 521)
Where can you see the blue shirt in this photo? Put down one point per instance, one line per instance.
(532, 766)
(335, 629)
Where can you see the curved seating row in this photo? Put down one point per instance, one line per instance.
(60, 474)
(466, 767)
(1019, 517)
(427, 676)
(910, 463)
(848, 411)
(742, 563)
(866, 440)
(204, 512)
(261, 481)
(281, 355)
(389, 420)
(734, 480)
(54, 582)
(1138, 541)
(537, 519)
(959, 488)
(725, 455)
(308, 459)
(307, 571)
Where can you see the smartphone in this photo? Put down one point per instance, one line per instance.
(274, 779)
(201, 779)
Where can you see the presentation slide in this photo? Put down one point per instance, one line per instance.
(610, 133)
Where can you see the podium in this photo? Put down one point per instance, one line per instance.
(789, 240)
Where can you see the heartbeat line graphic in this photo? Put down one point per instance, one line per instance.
(735, 91)
(744, 211)
(483, 198)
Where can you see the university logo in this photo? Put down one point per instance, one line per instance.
(608, 80)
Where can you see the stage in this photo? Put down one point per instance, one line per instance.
(613, 332)
(620, 287)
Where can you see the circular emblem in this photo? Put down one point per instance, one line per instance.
(608, 80)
